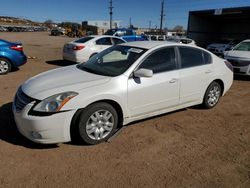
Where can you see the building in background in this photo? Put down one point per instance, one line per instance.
(209, 26)
(103, 25)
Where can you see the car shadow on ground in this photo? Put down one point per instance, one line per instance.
(9, 132)
(61, 62)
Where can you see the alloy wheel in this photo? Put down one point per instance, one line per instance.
(100, 124)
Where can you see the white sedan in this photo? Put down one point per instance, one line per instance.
(239, 57)
(82, 49)
(122, 84)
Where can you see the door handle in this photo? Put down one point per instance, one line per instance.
(173, 80)
(208, 71)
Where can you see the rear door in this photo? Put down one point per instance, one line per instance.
(103, 43)
(196, 73)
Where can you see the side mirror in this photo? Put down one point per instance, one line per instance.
(143, 73)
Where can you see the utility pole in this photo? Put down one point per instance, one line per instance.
(110, 13)
(130, 23)
(162, 16)
(149, 26)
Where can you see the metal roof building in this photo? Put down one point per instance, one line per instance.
(208, 26)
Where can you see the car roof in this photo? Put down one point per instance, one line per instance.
(247, 40)
(151, 44)
(101, 36)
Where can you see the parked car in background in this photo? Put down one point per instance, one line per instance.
(126, 34)
(3, 29)
(122, 84)
(11, 56)
(239, 57)
(182, 40)
(57, 31)
(219, 47)
(82, 49)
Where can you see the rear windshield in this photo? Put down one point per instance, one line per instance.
(83, 40)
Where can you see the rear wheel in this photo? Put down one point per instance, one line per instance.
(212, 95)
(5, 66)
(98, 122)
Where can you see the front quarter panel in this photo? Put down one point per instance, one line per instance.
(114, 90)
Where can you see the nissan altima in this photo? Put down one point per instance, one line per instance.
(127, 82)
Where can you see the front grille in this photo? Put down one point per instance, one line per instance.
(238, 63)
(21, 100)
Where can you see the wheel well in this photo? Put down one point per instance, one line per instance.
(117, 108)
(221, 85)
(7, 59)
(73, 129)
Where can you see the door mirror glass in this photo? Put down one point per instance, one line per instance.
(143, 73)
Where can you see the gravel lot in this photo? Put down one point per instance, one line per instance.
(188, 148)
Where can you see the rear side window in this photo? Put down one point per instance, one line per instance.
(83, 40)
(207, 57)
(160, 61)
(104, 41)
(191, 57)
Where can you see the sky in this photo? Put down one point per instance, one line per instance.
(143, 13)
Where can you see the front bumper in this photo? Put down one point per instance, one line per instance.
(245, 70)
(44, 129)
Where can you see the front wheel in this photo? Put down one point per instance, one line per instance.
(212, 95)
(5, 66)
(98, 122)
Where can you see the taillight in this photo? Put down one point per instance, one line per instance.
(229, 65)
(17, 48)
(77, 47)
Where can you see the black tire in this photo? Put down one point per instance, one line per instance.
(212, 95)
(5, 66)
(93, 129)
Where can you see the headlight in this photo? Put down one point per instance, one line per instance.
(55, 102)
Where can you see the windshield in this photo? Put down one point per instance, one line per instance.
(113, 61)
(243, 46)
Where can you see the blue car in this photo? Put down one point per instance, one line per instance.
(128, 35)
(11, 56)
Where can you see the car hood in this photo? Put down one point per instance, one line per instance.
(235, 54)
(217, 45)
(61, 80)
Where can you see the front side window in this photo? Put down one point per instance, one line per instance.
(113, 61)
(243, 46)
(160, 61)
(191, 57)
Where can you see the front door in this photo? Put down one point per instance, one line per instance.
(161, 91)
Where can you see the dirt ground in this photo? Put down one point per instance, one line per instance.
(188, 148)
